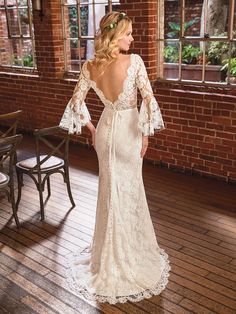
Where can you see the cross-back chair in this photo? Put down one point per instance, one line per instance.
(42, 166)
(7, 163)
(10, 122)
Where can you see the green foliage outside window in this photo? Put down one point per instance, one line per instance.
(190, 54)
(229, 64)
(27, 61)
(175, 27)
(73, 24)
(217, 52)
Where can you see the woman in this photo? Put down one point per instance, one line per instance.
(124, 261)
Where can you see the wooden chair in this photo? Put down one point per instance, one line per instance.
(41, 167)
(7, 163)
(8, 123)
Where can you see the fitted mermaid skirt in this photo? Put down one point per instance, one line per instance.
(124, 261)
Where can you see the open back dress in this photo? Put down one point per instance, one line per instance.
(124, 261)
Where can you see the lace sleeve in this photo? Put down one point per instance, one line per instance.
(76, 113)
(150, 118)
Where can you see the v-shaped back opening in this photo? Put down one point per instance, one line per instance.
(100, 91)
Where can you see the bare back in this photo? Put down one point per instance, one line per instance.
(111, 81)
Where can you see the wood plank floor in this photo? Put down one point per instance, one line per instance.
(194, 220)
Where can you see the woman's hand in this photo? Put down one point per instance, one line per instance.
(92, 130)
(144, 146)
(93, 133)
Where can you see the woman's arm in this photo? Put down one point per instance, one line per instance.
(150, 118)
(76, 114)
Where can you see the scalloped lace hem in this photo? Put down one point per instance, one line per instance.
(148, 293)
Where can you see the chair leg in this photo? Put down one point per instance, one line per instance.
(68, 186)
(20, 184)
(41, 202)
(13, 204)
(49, 188)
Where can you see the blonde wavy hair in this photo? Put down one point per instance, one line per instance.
(112, 28)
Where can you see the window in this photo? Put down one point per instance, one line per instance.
(80, 22)
(16, 34)
(197, 41)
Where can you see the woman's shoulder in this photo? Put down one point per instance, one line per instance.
(133, 55)
(137, 57)
(133, 58)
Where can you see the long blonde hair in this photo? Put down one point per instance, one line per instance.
(112, 28)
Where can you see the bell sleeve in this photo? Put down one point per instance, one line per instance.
(76, 114)
(150, 118)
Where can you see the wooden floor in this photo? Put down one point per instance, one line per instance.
(194, 219)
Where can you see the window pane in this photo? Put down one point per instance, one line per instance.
(27, 53)
(17, 52)
(171, 60)
(229, 65)
(22, 3)
(234, 21)
(88, 48)
(13, 21)
(79, 54)
(71, 12)
(5, 52)
(191, 67)
(217, 18)
(11, 3)
(191, 52)
(22, 53)
(216, 54)
(24, 20)
(3, 24)
(84, 16)
(70, 2)
(193, 12)
(172, 19)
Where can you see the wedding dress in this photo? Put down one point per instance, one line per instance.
(124, 261)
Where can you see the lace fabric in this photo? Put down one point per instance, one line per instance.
(149, 123)
(83, 290)
(125, 262)
(72, 120)
(150, 115)
(76, 114)
(122, 102)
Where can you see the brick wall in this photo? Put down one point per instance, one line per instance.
(200, 133)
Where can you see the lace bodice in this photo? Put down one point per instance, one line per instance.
(77, 115)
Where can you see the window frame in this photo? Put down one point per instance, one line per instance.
(10, 37)
(229, 38)
(80, 37)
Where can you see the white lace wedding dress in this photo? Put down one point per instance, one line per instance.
(124, 261)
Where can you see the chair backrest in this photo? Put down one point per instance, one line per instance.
(56, 142)
(10, 122)
(10, 145)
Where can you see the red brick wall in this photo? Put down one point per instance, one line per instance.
(200, 133)
(200, 121)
